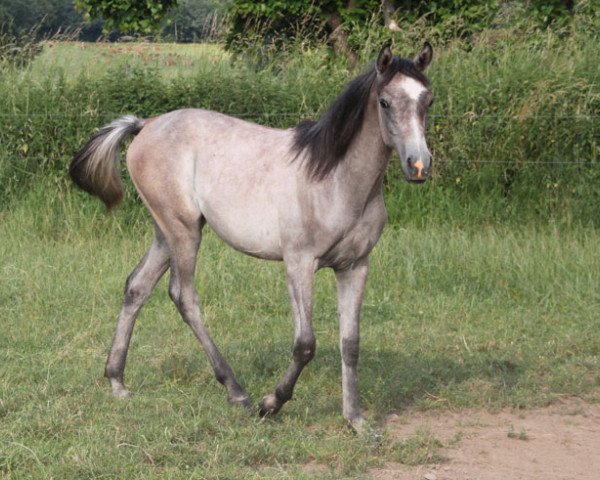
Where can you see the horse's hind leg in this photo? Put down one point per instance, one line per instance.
(184, 241)
(138, 287)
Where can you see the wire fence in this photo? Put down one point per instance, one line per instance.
(462, 161)
(466, 115)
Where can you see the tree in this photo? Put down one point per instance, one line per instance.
(192, 20)
(38, 18)
(278, 19)
(141, 16)
(336, 19)
(17, 16)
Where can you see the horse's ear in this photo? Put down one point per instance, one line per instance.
(423, 59)
(385, 57)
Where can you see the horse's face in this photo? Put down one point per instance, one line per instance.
(403, 103)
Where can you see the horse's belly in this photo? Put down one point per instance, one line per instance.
(242, 203)
(251, 231)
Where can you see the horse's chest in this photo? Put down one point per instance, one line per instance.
(358, 239)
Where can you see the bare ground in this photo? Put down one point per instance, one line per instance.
(558, 442)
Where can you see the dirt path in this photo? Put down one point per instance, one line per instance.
(554, 443)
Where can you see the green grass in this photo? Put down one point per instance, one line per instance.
(93, 59)
(421, 448)
(452, 318)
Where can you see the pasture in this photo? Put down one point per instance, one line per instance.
(482, 318)
(479, 301)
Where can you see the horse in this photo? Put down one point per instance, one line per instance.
(310, 196)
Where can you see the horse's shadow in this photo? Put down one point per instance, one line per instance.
(390, 380)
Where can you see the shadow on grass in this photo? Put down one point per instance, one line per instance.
(390, 380)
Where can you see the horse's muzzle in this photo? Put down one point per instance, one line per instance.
(418, 171)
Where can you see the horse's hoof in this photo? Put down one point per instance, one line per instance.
(365, 431)
(121, 393)
(269, 405)
(243, 402)
(118, 388)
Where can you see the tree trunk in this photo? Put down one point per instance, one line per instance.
(340, 39)
(387, 6)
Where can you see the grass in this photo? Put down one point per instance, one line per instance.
(422, 448)
(172, 60)
(452, 318)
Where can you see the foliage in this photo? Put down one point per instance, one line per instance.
(190, 19)
(446, 19)
(142, 16)
(276, 19)
(45, 16)
(469, 17)
(193, 20)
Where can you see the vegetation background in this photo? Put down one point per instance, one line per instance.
(484, 290)
(514, 129)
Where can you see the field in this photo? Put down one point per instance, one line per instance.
(478, 301)
(489, 319)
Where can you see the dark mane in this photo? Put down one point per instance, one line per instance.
(327, 140)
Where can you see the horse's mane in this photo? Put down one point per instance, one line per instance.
(327, 140)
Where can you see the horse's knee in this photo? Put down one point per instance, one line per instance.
(350, 349)
(305, 349)
(134, 292)
(184, 299)
(175, 294)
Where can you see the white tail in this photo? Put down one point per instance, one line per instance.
(95, 168)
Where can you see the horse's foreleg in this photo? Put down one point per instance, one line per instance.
(300, 276)
(351, 284)
(184, 295)
(138, 287)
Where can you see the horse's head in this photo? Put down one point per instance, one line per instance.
(404, 100)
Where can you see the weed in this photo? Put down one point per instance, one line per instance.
(522, 435)
(421, 448)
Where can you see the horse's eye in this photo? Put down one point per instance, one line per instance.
(384, 103)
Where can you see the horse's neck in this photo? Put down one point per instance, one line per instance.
(361, 172)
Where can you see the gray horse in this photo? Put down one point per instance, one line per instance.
(310, 196)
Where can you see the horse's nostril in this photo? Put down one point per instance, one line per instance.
(419, 167)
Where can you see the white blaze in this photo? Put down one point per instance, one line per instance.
(413, 89)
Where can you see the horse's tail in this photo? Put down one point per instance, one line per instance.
(95, 168)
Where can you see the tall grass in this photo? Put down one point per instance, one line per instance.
(514, 129)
